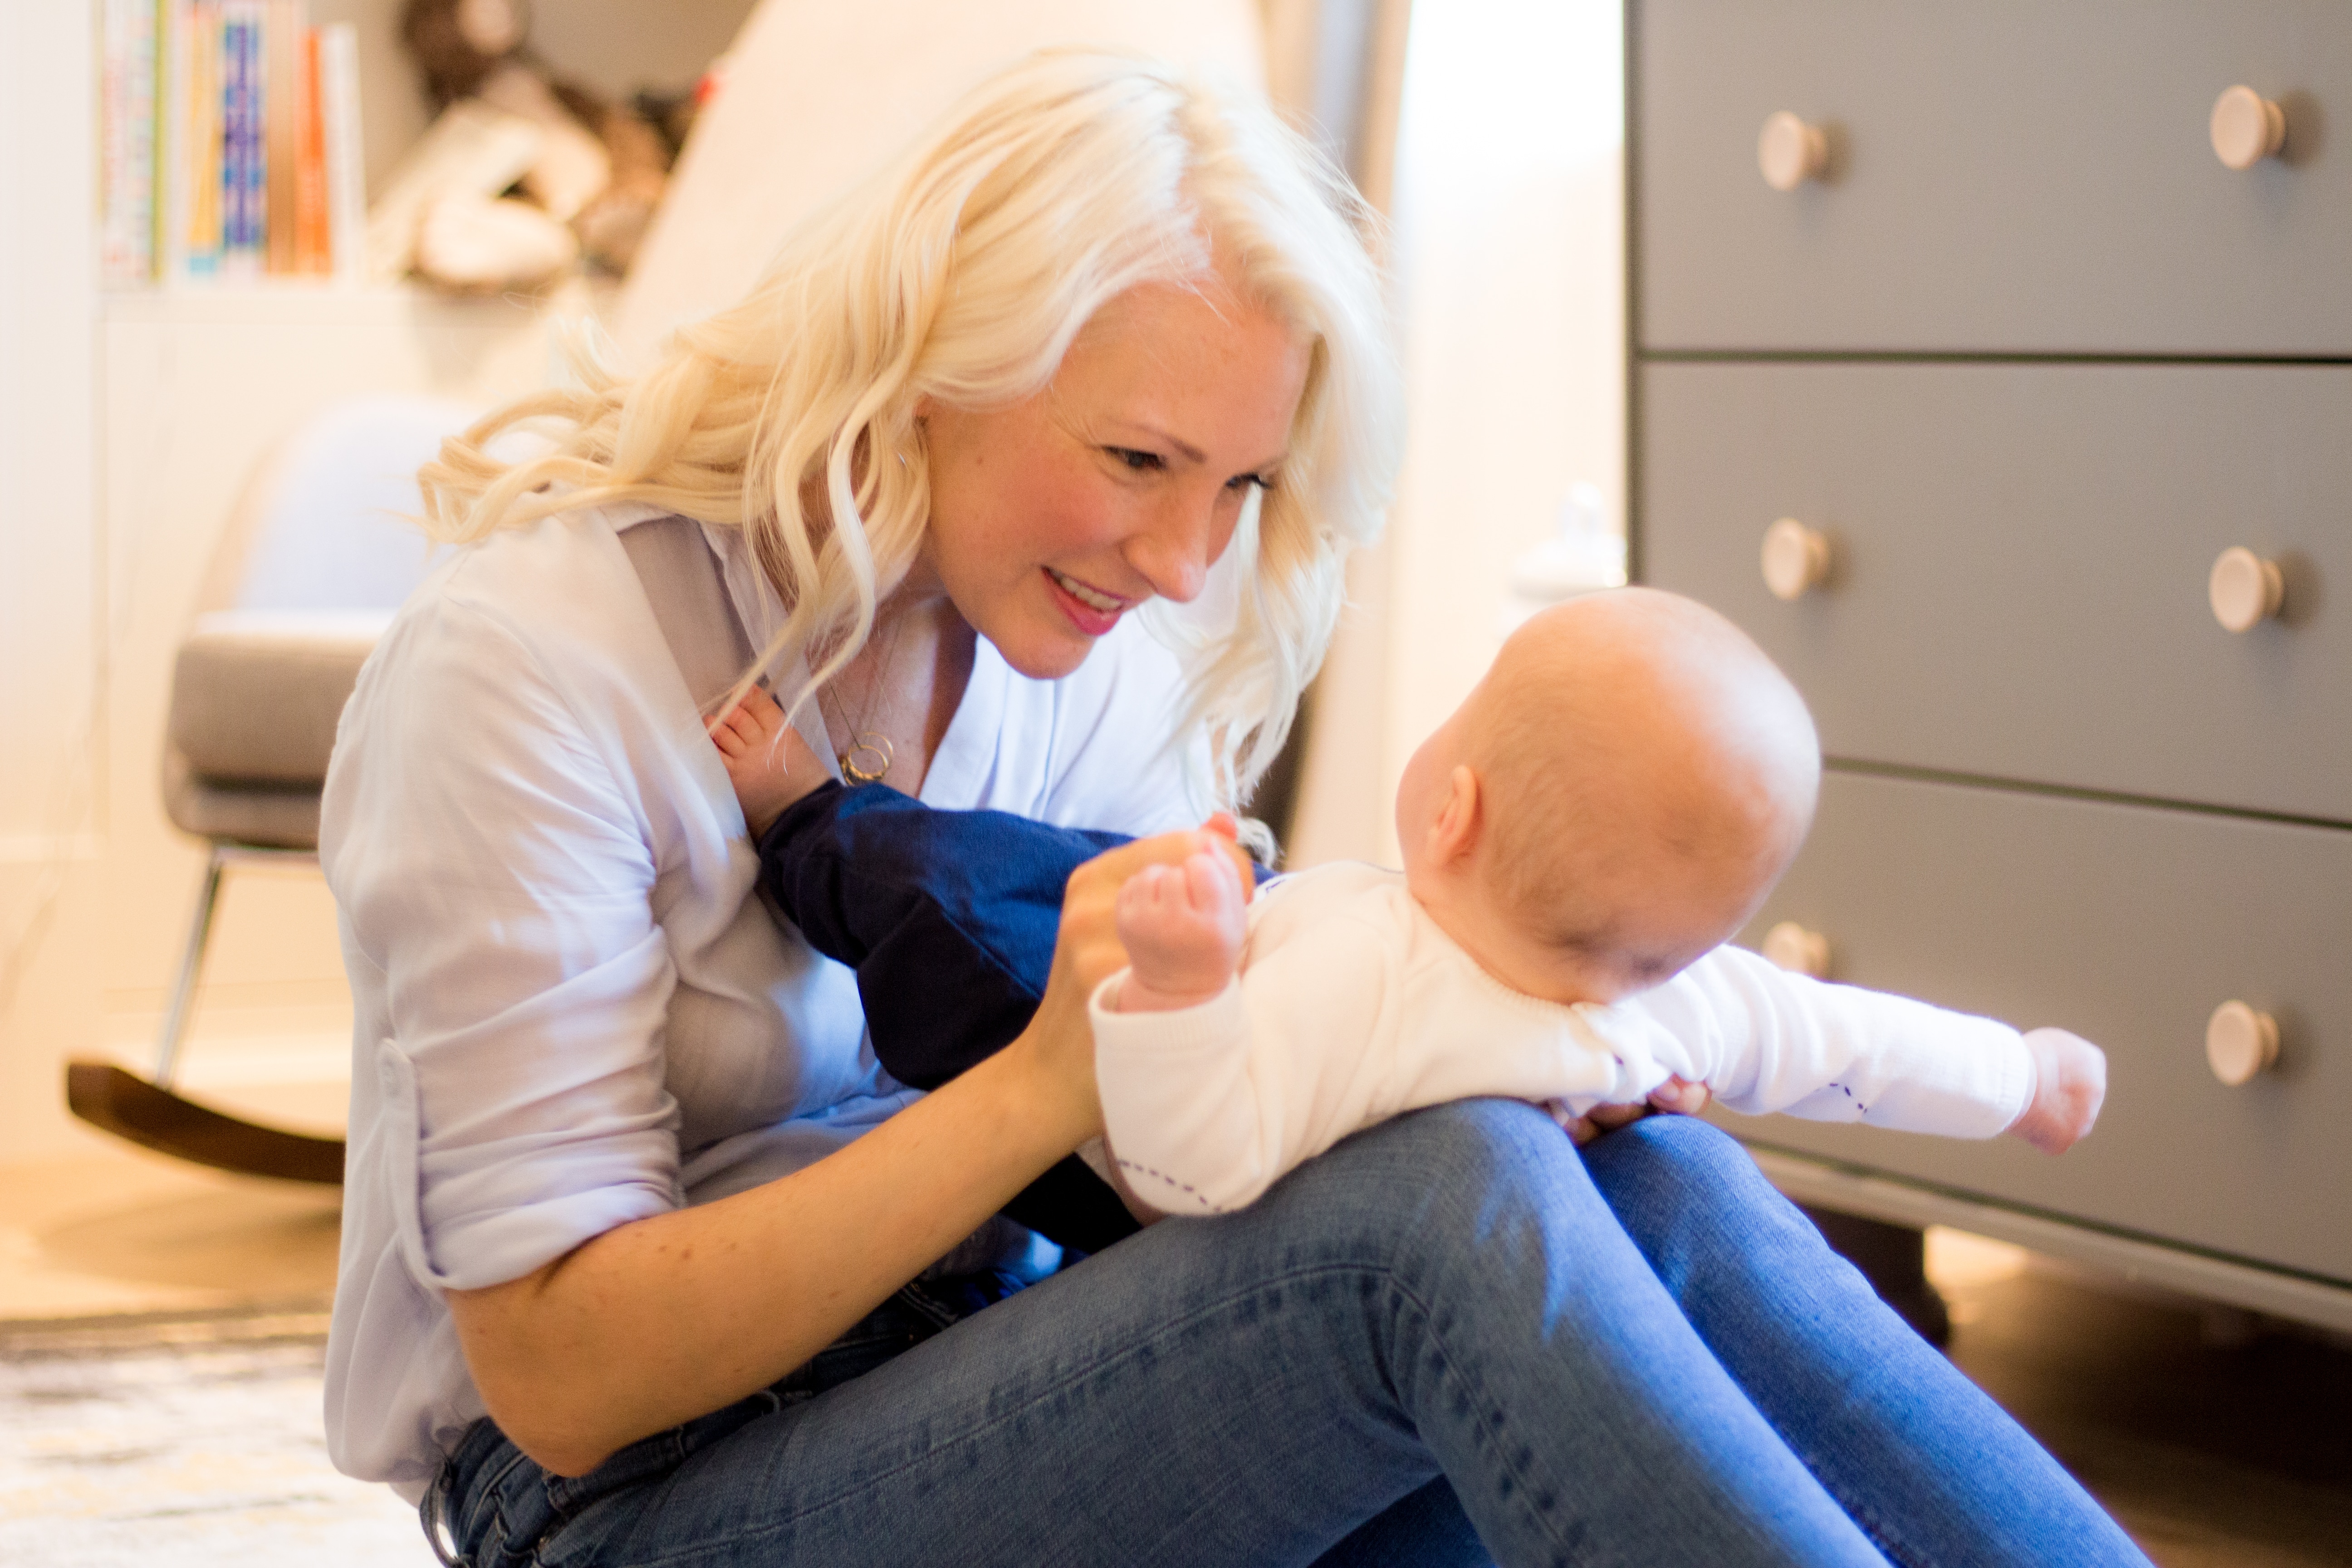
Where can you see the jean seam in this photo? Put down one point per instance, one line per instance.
(1075, 1375)
(1489, 1419)
(1866, 1518)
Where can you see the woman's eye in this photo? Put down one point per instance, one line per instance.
(1141, 462)
(1243, 481)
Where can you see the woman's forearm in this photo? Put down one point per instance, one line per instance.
(657, 1322)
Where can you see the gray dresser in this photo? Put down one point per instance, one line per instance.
(2020, 356)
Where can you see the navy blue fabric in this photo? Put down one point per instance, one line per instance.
(949, 917)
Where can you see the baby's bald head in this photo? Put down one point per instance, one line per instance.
(1646, 774)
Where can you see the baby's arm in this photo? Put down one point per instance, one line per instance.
(1205, 1106)
(1768, 1040)
(766, 760)
(1773, 1041)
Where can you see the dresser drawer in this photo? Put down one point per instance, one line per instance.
(2020, 561)
(2007, 175)
(2128, 925)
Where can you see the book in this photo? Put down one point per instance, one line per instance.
(346, 167)
(127, 141)
(313, 241)
(230, 144)
(285, 23)
(244, 174)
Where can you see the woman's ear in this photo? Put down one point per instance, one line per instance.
(1454, 832)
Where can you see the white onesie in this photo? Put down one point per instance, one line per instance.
(1352, 1006)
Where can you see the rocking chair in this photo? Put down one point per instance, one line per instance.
(315, 558)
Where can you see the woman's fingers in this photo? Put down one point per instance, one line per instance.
(1116, 866)
(1680, 1097)
(1090, 943)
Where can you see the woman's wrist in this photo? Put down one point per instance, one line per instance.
(1052, 1095)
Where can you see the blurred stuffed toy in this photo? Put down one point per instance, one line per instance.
(591, 176)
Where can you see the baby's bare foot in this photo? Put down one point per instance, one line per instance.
(769, 765)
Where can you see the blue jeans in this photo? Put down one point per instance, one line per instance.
(1435, 1344)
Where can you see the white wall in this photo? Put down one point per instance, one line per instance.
(49, 558)
(127, 423)
(1509, 256)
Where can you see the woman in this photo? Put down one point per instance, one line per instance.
(632, 1215)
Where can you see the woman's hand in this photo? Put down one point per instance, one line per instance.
(1675, 1097)
(1087, 952)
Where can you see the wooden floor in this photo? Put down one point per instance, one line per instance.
(2219, 1442)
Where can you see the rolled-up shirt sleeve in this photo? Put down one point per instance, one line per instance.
(493, 866)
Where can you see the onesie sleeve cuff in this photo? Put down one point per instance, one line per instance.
(1210, 1025)
(1976, 1086)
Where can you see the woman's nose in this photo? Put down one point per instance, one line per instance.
(1183, 539)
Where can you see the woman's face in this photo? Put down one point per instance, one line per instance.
(1122, 480)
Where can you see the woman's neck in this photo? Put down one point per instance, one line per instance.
(903, 687)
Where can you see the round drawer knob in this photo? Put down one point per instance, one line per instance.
(2246, 128)
(1800, 950)
(2244, 589)
(1795, 558)
(1790, 151)
(2239, 1043)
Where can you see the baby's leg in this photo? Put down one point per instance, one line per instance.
(947, 917)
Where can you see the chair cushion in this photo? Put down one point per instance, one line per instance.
(268, 817)
(257, 694)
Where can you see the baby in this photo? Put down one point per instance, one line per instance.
(1581, 838)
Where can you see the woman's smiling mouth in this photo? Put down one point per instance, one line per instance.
(1093, 611)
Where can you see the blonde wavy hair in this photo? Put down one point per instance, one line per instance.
(963, 273)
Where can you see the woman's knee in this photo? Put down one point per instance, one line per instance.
(1672, 1157)
(1685, 1191)
(1439, 1185)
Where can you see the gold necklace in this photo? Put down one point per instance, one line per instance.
(870, 753)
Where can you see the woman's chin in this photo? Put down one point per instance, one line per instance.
(1039, 661)
(1044, 652)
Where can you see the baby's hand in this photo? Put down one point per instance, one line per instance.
(768, 762)
(2071, 1080)
(1675, 1097)
(1182, 927)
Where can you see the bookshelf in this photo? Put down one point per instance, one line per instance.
(130, 416)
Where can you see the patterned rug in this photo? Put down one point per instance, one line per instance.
(183, 1445)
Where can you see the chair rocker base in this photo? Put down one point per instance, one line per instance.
(116, 1100)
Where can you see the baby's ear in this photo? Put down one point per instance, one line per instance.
(1454, 833)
